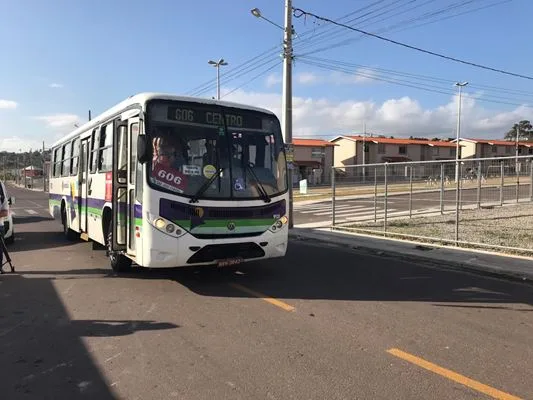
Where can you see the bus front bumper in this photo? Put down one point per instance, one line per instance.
(168, 251)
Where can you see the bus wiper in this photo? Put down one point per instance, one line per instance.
(203, 188)
(264, 194)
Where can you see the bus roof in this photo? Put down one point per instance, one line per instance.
(141, 98)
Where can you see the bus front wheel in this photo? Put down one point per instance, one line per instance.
(119, 262)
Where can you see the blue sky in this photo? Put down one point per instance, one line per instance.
(62, 58)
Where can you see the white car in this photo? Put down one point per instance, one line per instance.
(7, 222)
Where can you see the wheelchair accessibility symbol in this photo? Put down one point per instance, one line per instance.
(238, 185)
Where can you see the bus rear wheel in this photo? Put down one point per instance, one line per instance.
(119, 262)
(70, 235)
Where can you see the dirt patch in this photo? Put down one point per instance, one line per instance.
(509, 226)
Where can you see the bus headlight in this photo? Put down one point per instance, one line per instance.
(165, 226)
(159, 223)
(276, 226)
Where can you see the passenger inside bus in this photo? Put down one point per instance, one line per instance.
(168, 152)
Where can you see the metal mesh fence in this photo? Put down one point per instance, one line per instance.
(483, 202)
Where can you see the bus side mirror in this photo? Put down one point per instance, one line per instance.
(11, 201)
(142, 150)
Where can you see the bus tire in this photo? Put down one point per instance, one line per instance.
(119, 262)
(70, 235)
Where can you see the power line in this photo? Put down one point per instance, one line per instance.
(298, 13)
(398, 24)
(519, 93)
(241, 69)
(254, 78)
(325, 31)
(407, 83)
(335, 32)
(456, 15)
(206, 86)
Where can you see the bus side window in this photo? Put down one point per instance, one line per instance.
(94, 151)
(75, 156)
(105, 152)
(65, 168)
(57, 163)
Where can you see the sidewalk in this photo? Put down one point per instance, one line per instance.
(484, 262)
(19, 185)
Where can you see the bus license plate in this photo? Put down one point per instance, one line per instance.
(230, 261)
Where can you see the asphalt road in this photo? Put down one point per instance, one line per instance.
(360, 209)
(323, 323)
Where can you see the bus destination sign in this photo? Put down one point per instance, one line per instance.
(213, 117)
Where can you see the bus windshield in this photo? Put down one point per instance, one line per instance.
(204, 151)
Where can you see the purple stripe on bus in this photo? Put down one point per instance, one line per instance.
(99, 204)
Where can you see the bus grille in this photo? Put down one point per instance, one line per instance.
(174, 210)
(225, 235)
(214, 252)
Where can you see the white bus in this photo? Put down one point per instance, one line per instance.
(167, 181)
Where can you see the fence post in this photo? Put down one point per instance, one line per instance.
(479, 184)
(501, 182)
(375, 193)
(333, 196)
(517, 182)
(442, 188)
(531, 179)
(385, 201)
(410, 190)
(457, 185)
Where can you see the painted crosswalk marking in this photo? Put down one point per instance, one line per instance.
(351, 211)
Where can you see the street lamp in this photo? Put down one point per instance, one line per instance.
(217, 65)
(287, 88)
(257, 13)
(457, 184)
(458, 131)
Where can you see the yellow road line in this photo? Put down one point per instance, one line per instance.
(480, 387)
(270, 300)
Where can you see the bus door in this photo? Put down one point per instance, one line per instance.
(83, 201)
(123, 201)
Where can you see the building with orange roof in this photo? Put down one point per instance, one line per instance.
(486, 148)
(349, 150)
(313, 160)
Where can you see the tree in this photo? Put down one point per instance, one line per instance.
(525, 131)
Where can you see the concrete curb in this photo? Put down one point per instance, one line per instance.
(514, 268)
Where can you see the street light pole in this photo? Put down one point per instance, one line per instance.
(364, 151)
(517, 140)
(460, 85)
(217, 65)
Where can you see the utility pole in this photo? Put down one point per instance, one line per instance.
(287, 94)
(287, 90)
(89, 115)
